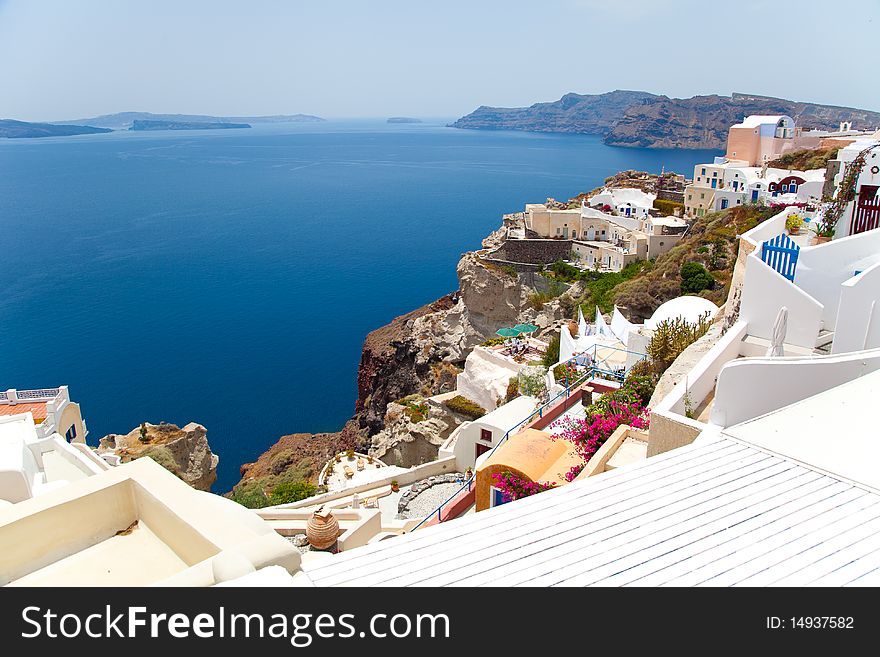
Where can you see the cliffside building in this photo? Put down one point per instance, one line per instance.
(602, 240)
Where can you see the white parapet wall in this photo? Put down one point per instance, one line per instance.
(670, 425)
(751, 387)
(856, 331)
(822, 269)
(765, 291)
(417, 473)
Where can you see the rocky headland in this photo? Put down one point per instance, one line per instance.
(184, 452)
(643, 120)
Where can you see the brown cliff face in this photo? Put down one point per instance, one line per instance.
(390, 369)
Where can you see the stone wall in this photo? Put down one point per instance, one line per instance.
(533, 252)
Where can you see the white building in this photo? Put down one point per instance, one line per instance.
(625, 201)
(471, 440)
(862, 213)
(728, 183)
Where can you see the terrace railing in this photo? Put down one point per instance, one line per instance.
(12, 395)
(569, 387)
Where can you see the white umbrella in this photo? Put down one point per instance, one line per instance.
(780, 328)
(582, 323)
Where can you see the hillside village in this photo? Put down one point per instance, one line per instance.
(665, 380)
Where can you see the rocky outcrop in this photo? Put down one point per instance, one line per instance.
(184, 452)
(422, 352)
(407, 441)
(590, 114)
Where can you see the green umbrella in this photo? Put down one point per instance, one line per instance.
(507, 332)
(525, 328)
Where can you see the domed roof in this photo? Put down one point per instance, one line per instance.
(689, 308)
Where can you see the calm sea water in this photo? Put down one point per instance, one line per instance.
(229, 277)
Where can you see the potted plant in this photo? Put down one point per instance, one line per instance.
(793, 223)
(394, 486)
(823, 232)
(350, 454)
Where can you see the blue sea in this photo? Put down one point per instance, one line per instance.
(229, 277)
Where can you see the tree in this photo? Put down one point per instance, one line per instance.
(695, 278)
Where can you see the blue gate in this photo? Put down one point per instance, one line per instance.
(781, 254)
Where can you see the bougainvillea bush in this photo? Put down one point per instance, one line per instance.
(590, 433)
(514, 486)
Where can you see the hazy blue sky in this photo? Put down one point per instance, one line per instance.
(62, 59)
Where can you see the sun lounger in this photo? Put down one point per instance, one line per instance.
(349, 473)
(360, 464)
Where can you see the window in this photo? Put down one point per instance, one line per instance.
(714, 174)
(486, 434)
(703, 172)
(690, 196)
(703, 195)
(723, 203)
(71, 433)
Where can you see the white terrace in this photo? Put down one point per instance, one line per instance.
(32, 465)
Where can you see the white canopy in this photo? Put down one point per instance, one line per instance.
(621, 326)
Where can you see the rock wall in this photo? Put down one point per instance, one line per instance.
(534, 251)
(184, 452)
(406, 443)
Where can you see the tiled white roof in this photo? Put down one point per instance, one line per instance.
(717, 512)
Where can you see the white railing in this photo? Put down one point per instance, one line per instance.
(13, 396)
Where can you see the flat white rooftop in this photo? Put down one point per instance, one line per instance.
(718, 512)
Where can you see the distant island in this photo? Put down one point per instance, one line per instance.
(125, 120)
(644, 120)
(185, 125)
(403, 119)
(11, 129)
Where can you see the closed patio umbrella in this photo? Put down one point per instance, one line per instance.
(780, 328)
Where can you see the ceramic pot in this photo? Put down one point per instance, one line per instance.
(322, 529)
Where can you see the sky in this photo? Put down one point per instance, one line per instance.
(61, 59)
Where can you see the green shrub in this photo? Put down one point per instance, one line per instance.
(641, 385)
(512, 389)
(250, 495)
(532, 381)
(466, 407)
(695, 278)
(668, 207)
(552, 354)
(163, 456)
(537, 300)
(671, 337)
(491, 342)
(416, 412)
(291, 492)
